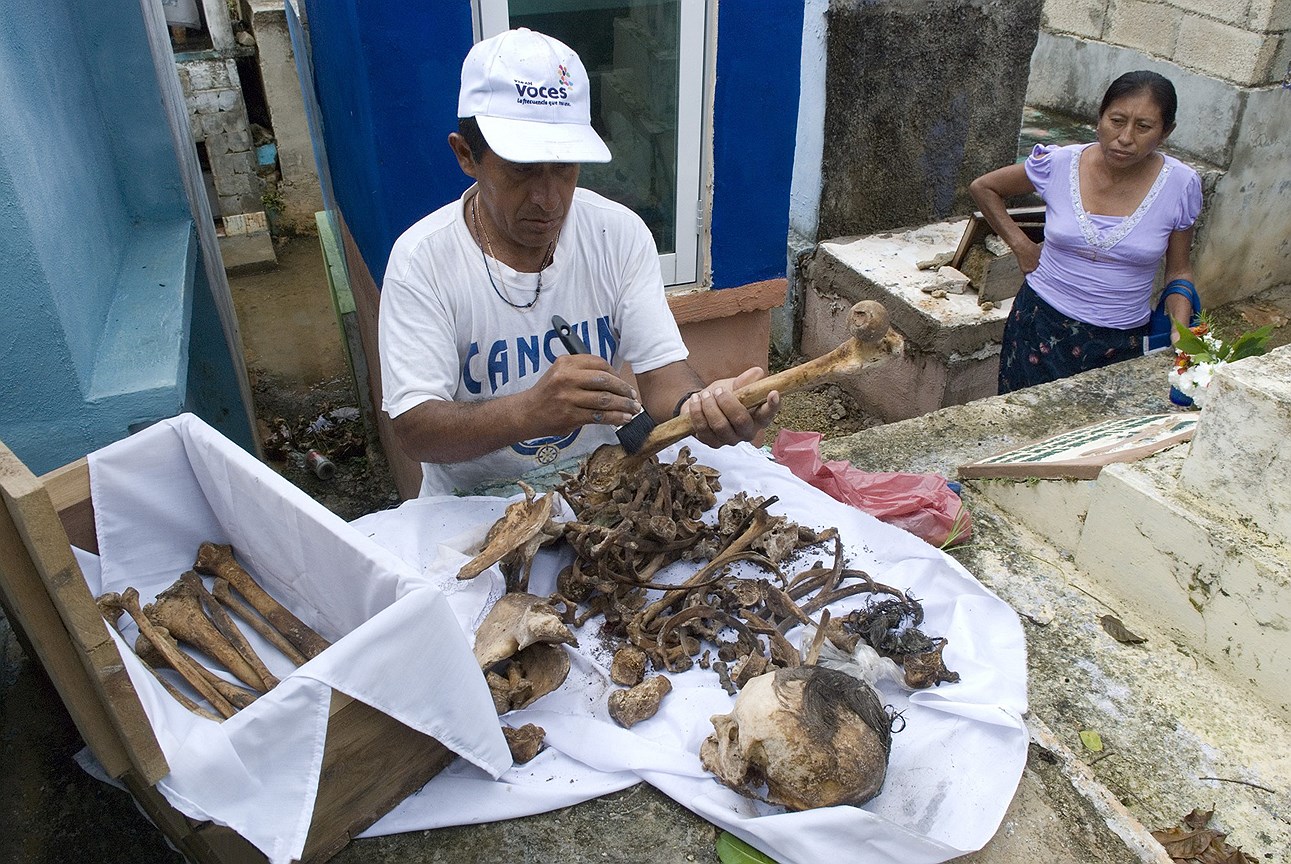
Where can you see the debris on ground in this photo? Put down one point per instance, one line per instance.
(1194, 843)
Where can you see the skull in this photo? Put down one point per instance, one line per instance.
(814, 736)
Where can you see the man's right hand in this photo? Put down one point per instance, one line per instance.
(579, 389)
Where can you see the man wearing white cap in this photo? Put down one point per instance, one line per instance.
(474, 376)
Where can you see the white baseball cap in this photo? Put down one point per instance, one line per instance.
(532, 98)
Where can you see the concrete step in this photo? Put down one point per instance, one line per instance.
(1194, 536)
(1219, 586)
(1180, 730)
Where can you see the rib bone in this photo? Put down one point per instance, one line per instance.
(177, 659)
(214, 559)
(228, 628)
(179, 610)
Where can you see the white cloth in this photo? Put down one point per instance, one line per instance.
(953, 769)
(445, 334)
(397, 643)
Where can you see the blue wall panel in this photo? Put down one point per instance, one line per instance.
(96, 236)
(755, 121)
(387, 78)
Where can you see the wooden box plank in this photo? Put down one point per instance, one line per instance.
(47, 599)
(370, 760)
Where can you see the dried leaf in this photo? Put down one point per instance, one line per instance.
(1119, 632)
(1092, 740)
(1198, 818)
(1194, 843)
(1181, 843)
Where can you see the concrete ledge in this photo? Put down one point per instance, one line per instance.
(1166, 711)
(1222, 589)
(728, 330)
(952, 344)
(143, 346)
(1232, 464)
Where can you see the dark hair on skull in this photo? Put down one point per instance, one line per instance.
(827, 693)
(1157, 86)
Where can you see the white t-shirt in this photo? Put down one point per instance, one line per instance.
(445, 334)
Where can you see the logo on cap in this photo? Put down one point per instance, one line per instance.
(529, 93)
(565, 79)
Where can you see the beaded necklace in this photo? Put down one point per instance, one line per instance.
(487, 247)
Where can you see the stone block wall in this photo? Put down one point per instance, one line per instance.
(1245, 42)
(218, 118)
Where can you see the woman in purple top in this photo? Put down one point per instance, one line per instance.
(1113, 210)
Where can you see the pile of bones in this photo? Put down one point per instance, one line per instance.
(800, 735)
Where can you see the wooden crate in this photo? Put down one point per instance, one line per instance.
(371, 762)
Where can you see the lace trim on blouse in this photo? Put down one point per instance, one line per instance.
(1115, 234)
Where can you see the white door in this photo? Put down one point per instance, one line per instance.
(645, 59)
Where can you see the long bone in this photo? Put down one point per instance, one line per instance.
(179, 610)
(238, 697)
(216, 559)
(177, 659)
(872, 341)
(229, 629)
(112, 614)
(224, 594)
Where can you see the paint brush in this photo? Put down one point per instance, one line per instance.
(632, 434)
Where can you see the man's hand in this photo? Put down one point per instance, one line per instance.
(719, 418)
(580, 389)
(574, 391)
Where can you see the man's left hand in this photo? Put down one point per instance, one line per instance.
(719, 418)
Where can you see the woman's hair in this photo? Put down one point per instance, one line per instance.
(1157, 86)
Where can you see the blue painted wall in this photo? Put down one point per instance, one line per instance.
(97, 240)
(387, 77)
(755, 119)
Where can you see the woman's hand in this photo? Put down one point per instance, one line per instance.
(990, 192)
(1027, 252)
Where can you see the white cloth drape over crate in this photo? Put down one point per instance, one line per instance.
(397, 645)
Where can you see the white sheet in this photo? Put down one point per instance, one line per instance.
(953, 770)
(398, 644)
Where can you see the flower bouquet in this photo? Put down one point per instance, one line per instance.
(1199, 353)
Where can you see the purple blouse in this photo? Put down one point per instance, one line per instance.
(1100, 269)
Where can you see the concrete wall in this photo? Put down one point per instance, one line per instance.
(96, 232)
(1227, 59)
(298, 186)
(1239, 41)
(921, 97)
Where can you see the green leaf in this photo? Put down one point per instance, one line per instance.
(733, 850)
(1189, 342)
(1251, 344)
(1092, 740)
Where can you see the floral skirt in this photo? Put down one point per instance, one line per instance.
(1041, 344)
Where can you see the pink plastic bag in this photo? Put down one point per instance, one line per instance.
(920, 503)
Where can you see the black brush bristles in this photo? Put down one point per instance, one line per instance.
(632, 434)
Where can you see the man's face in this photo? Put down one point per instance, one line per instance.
(524, 203)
